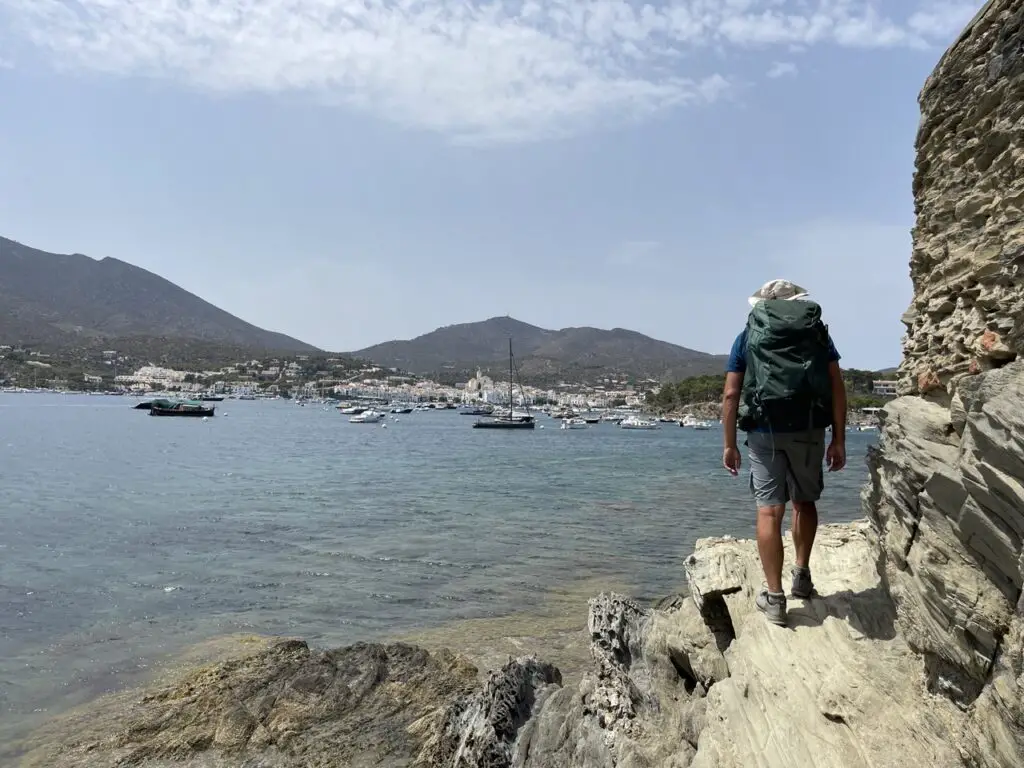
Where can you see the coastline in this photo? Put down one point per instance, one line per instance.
(699, 677)
(556, 629)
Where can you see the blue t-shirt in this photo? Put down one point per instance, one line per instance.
(738, 354)
(738, 360)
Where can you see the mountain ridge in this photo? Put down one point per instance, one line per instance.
(573, 351)
(62, 300)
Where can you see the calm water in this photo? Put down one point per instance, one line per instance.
(125, 537)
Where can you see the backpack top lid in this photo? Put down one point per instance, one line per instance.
(784, 314)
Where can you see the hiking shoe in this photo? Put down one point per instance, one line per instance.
(802, 584)
(772, 605)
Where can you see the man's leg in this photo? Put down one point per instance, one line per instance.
(805, 482)
(805, 526)
(769, 544)
(769, 486)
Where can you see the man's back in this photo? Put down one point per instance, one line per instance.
(784, 353)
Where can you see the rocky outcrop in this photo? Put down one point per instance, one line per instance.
(968, 258)
(702, 681)
(707, 682)
(947, 480)
(288, 705)
(947, 495)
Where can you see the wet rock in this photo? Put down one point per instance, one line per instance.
(638, 705)
(480, 730)
(287, 705)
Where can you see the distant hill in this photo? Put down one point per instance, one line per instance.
(59, 300)
(572, 354)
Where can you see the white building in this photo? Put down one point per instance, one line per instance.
(153, 376)
(884, 388)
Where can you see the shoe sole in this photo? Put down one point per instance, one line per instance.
(770, 619)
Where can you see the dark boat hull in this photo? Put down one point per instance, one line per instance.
(158, 411)
(504, 425)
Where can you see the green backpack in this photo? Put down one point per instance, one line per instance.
(786, 387)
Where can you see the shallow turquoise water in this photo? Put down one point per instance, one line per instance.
(124, 537)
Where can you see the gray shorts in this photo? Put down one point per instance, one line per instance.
(786, 466)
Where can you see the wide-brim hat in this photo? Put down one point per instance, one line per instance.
(778, 289)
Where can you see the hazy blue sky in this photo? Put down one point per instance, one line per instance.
(350, 171)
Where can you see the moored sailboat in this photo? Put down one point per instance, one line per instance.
(512, 419)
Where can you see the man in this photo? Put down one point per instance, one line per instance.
(783, 387)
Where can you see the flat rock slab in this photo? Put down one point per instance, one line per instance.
(836, 688)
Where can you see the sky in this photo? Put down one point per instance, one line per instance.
(353, 171)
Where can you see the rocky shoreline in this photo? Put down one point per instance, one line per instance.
(701, 680)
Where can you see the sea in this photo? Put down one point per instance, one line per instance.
(127, 539)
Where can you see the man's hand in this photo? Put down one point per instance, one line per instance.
(835, 456)
(731, 460)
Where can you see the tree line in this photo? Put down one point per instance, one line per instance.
(708, 389)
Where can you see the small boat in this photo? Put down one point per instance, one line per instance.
(635, 422)
(574, 423)
(367, 417)
(182, 408)
(511, 420)
(351, 410)
(592, 418)
(402, 409)
(212, 398)
(702, 425)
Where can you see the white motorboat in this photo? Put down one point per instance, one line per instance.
(367, 417)
(574, 423)
(702, 425)
(635, 422)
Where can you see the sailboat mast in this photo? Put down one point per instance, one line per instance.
(510, 409)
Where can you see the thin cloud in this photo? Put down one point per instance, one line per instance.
(506, 70)
(782, 69)
(942, 20)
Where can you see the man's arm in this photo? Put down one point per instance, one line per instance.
(730, 406)
(838, 404)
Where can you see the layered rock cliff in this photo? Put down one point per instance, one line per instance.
(947, 479)
(968, 252)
